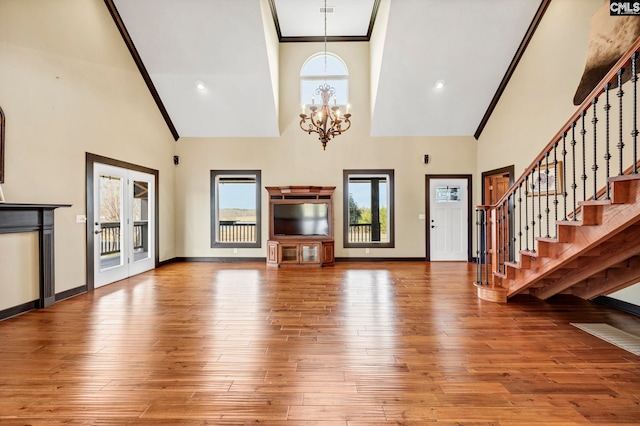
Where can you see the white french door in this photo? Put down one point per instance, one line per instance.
(448, 217)
(123, 227)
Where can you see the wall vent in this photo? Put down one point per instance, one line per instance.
(329, 10)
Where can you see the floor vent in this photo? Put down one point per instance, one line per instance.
(620, 338)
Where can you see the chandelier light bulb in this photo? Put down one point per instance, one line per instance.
(201, 86)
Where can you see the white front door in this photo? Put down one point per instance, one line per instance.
(448, 219)
(123, 223)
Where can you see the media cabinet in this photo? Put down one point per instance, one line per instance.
(300, 226)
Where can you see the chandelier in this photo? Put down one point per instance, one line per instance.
(325, 120)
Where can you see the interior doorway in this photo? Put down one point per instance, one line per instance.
(122, 218)
(495, 183)
(448, 217)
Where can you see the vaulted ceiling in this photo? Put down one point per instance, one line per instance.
(228, 45)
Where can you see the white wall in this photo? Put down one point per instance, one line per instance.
(296, 158)
(68, 86)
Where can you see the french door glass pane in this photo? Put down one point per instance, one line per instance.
(111, 236)
(140, 217)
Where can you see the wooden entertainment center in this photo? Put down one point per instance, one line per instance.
(300, 226)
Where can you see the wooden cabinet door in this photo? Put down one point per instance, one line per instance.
(310, 253)
(272, 252)
(328, 253)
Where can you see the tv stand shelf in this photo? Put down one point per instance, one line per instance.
(300, 226)
(300, 253)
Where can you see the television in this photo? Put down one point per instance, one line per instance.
(311, 219)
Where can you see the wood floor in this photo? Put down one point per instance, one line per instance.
(356, 344)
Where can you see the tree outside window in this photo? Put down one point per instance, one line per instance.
(368, 216)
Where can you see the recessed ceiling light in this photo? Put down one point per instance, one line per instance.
(439, 85)
(201, 86)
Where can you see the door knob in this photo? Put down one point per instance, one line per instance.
(96, 232)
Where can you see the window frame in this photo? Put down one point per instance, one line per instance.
(390, 214)
(215, 174)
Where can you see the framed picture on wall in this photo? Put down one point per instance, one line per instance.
(1, 146)
(546, 181)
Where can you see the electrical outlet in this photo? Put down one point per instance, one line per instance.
(367, 250)
(235, 251)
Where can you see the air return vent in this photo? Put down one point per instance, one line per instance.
(328, 10)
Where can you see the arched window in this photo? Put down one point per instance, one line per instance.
(313, 75)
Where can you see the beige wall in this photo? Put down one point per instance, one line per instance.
(296, 158)
(68, 86)
(538, 98)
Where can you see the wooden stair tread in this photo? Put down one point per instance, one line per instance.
(595, 203)
(571, 223)
(624, 178)
(514, 265)
(548, 240)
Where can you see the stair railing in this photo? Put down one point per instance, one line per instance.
(600, 140)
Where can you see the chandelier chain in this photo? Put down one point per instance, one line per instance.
(325, 41)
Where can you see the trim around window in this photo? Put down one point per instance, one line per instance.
(368, 241)
(241, 231)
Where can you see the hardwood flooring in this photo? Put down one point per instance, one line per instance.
(404, 343)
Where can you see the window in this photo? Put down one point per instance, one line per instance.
(313, 75)
(235, 208)
(368, 208)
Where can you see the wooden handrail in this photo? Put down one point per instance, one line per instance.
(586, 104)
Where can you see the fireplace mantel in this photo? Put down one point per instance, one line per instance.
(17, 218)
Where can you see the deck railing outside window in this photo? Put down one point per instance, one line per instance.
(236, 232)
(110, 237)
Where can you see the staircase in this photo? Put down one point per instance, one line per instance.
(595, 246)
(596, 255)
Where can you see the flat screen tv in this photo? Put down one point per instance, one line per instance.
(301, 219)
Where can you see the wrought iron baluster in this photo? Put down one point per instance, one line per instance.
(479, 249)
(500, 237)
(634, 132)
(533, 209)
(526, 212)
(594, 120)
(502, 266)
(620, 95)
(555, 189)
(510, 220)
(574, 185)
(520, 216)
(539, 199)
(546, 192)
(607, 155)
(485, 226)
(583, 133)
(564, 173)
